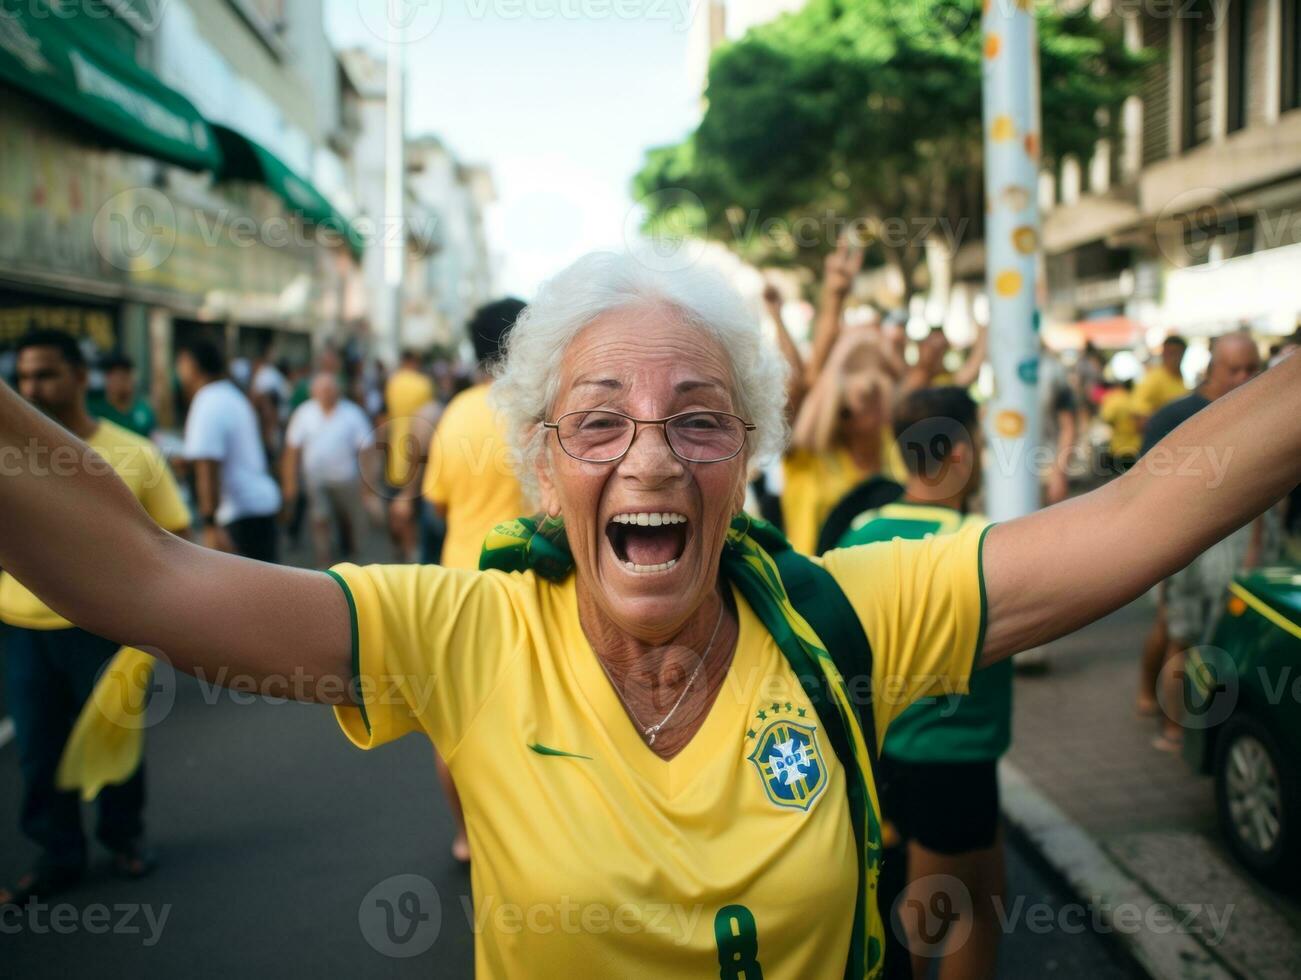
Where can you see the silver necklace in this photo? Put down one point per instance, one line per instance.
(650, 732)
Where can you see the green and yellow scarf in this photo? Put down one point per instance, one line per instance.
(539, 544)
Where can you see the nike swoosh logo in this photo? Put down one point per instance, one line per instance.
(541, 749)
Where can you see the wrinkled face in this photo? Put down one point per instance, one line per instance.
(645, 572)
(48, 381)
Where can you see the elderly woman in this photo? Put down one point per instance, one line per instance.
(646, 770)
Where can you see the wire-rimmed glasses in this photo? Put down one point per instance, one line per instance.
(602, 436)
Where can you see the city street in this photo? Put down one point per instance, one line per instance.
(277, 838)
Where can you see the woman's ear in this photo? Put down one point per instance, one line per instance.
(549, 498)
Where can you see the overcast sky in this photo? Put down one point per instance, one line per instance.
(558, 97)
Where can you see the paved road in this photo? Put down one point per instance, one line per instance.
(273, 833)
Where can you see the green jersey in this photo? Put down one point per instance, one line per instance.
(976, 727)
(139, 418)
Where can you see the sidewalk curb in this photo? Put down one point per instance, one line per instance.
(1096, 878)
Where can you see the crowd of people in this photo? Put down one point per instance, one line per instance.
(885, 446)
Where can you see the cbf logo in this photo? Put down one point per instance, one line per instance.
(790, 763)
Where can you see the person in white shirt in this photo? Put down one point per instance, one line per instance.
(326, 438)
(237, 498)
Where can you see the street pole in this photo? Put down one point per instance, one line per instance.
(1011, 126)
(394, 225)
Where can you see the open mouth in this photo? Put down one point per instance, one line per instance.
(647, 541)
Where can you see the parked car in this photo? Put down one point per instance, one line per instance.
(1246, 684)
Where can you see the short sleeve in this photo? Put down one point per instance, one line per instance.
(438, 477)
(922, 605)
(160, 496)
(203, 431)
(294, 434)
(365, 434)
(428, 645)
(1145, 394)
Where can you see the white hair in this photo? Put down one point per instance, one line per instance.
(528, 378)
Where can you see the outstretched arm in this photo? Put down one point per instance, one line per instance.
(796, 383)
(1053, 571)
(76, 536)
(839, 270)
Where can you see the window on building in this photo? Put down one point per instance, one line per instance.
(1197, 73)
(1290, 55)
(1155, 92)
(1238, 59)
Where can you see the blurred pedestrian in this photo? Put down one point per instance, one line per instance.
(841, 428)
(1059, 428)
(470, 479)
(1187, 598)
(236, 496)
(325, 439)
(51, 666)
(270, 392)
(1164, 381)
(944, 749)
(930, 370)
(119, 403)
(1120, 414)
(407, 390)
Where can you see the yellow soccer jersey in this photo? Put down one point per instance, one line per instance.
(815, 482)
(471, 474)
(405, 394)
(146, 473)
(1157, 388)
(592, 855)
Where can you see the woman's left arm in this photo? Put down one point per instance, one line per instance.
(1051, 572)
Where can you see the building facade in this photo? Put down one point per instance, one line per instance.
(158, 184)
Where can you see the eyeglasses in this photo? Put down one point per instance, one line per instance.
(694, 437)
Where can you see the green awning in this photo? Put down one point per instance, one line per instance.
(52, 57)
(245, 159)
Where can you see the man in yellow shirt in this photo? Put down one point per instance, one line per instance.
(1164, 382)
(1119, 412)
(408, 391)
(51, 665)
(469, 479)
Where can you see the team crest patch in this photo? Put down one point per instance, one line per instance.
(790, 763)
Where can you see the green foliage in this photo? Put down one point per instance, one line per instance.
(867, 108)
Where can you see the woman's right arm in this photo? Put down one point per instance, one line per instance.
(76, 536)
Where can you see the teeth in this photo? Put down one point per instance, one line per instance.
(648, 519)
(663, 566)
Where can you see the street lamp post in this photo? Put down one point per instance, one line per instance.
(394, 230)
(1011, 127)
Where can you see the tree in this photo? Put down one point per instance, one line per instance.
(868, 110)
